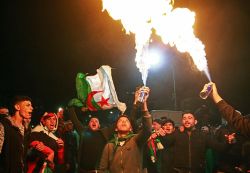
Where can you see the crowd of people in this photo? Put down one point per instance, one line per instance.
(126, 146)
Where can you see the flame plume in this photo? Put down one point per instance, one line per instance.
(174, 26)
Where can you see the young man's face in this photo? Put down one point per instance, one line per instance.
(123, 125)
(188, 121)
(156, 126)
(168, 128)
(94, 124)
(25, 109)
(50, 123)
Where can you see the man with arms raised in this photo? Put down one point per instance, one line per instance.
(124, 152)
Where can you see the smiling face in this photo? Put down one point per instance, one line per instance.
(123, 125)
(24, 108)
(94, 124)
(188, 121)
(168, 127)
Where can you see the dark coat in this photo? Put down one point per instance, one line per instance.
(189, 150)
(36, 156)
(167, 159)
(227, 161)
(12, 155)
(91, 143)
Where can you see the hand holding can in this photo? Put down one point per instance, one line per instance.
(144, 91)
(206, 91)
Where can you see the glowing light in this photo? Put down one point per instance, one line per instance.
(60, 109)
(174, 26)
(153, 57)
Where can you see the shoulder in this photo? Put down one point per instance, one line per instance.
(201, 134)
(176, 133)
(38, 128)
(109, 146)
(4, 120)
(1, 129)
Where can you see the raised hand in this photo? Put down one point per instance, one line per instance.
(231, 138)
(60, 142)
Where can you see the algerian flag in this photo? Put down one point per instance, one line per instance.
(97, 92)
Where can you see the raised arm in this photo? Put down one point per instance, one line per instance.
(145, 133)
(232, 116)
(134, 114)
(77, 124)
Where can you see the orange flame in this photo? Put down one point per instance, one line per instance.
(174, 26)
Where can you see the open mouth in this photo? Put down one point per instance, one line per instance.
(124, 125)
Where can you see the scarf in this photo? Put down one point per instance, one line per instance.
(120, 141)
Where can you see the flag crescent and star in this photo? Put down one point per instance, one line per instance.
(97, 92)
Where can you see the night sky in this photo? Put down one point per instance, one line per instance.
(45, 43)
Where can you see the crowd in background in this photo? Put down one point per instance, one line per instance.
(133, 143)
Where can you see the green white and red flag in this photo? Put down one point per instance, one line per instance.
(97, 92)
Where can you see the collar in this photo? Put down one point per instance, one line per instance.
(19, 127)
(40, 128)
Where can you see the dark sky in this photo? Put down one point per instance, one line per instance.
(45, 43)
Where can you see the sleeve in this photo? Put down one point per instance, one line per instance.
(33, 153)
(60, 155)
(108, 131)
(133, 117)
(104, 162)
(234, 118)
(1, 137)
(47, 150)
(77, 124)
(168, 140)
(145, 133)
(213, 143)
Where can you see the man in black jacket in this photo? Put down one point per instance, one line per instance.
(190, 146)
(12, 132)
(92, 142)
